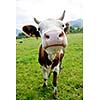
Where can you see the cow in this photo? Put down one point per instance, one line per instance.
(31, 30)
(51, 50)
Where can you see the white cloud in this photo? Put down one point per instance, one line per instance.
(42, 9)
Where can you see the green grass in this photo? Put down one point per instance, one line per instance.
(29, 77)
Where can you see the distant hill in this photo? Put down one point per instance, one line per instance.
(18, 31)
(78, 22)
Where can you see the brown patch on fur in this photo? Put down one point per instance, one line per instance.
(55, 61)
(67, 28)
(43, 57)
(61, 56)
(58, 58)
(55, 79)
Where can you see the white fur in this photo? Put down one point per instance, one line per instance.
(46, 71)
(53, 28)
(55, 89)
(56, 69)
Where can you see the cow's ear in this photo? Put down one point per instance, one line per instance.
(67, 28)
(30, 30)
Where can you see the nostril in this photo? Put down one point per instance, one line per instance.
(61, 34)
(46, 36)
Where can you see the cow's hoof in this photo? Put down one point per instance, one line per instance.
(56, 95)
(44, 85)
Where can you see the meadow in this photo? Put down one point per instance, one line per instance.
(29, 79)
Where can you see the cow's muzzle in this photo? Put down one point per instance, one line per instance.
(54, 38)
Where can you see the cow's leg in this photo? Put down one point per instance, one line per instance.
(55, 83)
(55, 68)
(60, 65)
(55, 77)
(61, 57)
(45, 76)
(45, 83)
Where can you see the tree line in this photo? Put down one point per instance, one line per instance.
(76, 29)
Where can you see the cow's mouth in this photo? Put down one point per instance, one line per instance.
(62, 45)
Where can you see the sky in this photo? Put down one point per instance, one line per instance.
(26, 10)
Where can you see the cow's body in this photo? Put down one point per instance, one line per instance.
(52, 46)
(51, 62)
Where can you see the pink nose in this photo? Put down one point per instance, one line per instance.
(54, 36)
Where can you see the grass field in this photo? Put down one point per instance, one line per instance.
(29, 77)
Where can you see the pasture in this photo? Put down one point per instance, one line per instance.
(29, 79)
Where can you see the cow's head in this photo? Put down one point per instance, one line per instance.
(51, 31)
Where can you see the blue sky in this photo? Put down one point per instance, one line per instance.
(42, 9)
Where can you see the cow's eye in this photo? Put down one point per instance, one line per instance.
(63, 25)
(39, 29)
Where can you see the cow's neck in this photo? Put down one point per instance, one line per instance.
(53, 53)
(47, 58)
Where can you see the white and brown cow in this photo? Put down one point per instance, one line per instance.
(53, 42)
